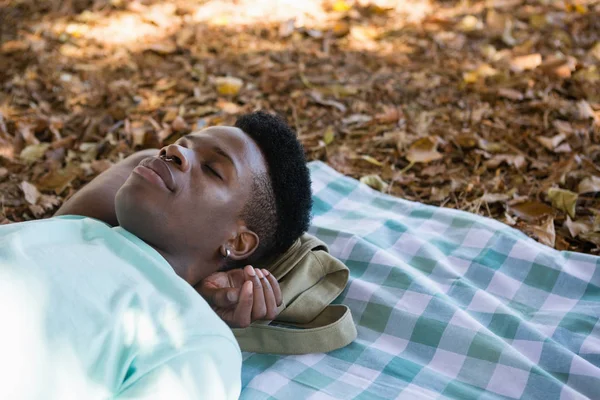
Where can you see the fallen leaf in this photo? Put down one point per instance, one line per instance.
(329, 135)
(531, 210)
(525, 63)
(564, 200)
(391, 115)
(286, 28)
(494, 197)
(58, 180)
(595, 51)
(551, 143)
(577, 227)
(592, 237)
(563, 127)
(423, 150)
(341, 29)
(440, 194)
(356, 119)
(163, 47)
(228, 85)
(318, 98)
(510, 94)
(179, 125)
(375, 182)
(470, 23)
(30, 191)
(517, 161)
(585, 111)
(589, 185)
(13, 46)
(341, 6)
(33, 152)
(371, 160)
(545, 232)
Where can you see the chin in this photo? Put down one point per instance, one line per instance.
(138, 210)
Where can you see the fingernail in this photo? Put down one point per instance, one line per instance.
(251, 272)
(266, 272)
(231, 296)
(259, 273)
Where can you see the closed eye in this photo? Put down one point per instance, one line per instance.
(213, 171)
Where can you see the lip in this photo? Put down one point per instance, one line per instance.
(160, 168)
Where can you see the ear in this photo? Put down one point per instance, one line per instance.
(243, 244)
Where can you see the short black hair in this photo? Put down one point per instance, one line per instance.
(280, 205)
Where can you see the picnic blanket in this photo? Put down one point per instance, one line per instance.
(447, 305)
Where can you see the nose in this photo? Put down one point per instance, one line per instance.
(178, 154)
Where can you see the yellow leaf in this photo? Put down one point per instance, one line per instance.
(470, 23)
(329, 135)
(34, 152)
(423, 150)
(371, 160)
(341, 6)
(341, 28)
(228, 85)
(470, 77)
(375, 182)
(564, 200)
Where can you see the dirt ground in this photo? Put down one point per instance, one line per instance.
(492, 107)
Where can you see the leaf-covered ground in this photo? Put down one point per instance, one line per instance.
(492, 107)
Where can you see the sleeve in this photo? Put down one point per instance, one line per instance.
(210, 371)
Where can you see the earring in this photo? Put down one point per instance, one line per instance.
(227, 253)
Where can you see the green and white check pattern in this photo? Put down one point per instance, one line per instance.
(447, 305)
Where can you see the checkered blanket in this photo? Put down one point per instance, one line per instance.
(447, 305)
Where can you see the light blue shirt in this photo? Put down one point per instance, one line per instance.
(92, 312)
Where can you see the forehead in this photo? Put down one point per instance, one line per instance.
(235, 142)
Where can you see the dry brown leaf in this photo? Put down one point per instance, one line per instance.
(589, 185)
(545, 232)
(531, 210)
(525, 63)
(30, 192)
(595, 51)
(59, 180)
(423, 150)
(564, 200)
(14, 46)
(551, 143)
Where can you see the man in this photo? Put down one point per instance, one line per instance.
(108, 309)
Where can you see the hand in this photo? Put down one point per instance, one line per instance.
(242, 296)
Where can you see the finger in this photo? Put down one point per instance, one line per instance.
(224, 298)
(242, 316)
(275, 286)
(259, 308)
(269, 298)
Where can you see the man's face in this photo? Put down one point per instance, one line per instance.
(187, 202)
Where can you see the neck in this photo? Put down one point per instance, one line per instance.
(191, 269)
